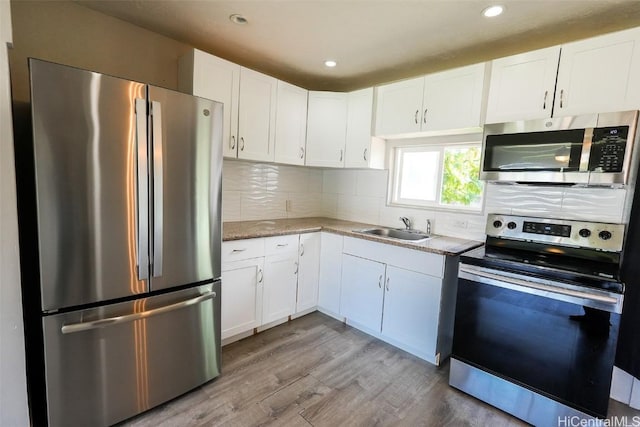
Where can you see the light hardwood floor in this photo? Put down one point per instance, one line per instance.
(317, 371)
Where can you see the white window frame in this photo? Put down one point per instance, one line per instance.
(394, 164)
(397, 176)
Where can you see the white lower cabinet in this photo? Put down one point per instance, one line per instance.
(266, 280)
(330, 274)
(241, 296)
(308, 272)
(280, 279)
(362, 294)
(411, 310)
(410, 307)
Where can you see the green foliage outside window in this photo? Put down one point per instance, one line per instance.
(460, 183)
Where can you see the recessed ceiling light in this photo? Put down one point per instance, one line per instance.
(238, 19)
(330, 63)
(492, 11)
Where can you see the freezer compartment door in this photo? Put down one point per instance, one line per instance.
(106, 364)
(90, 160)
(186, 172)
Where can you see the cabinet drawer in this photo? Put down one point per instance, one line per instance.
(410, 259)
(236, 250)
(281, 244)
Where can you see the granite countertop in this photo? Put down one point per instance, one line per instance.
(442, 245)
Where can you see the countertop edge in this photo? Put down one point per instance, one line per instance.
(457, 247)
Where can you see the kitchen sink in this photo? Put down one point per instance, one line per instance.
(396, 233)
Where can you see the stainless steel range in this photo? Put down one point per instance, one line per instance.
(537, 317)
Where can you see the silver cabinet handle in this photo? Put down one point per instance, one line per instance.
(380, 282)
(301, 249)
(238, 250)
(415, 116)
(86, 326)
(341, 154)
(233, 142)
(297, 266)
(544, 101)
(364, 155)
(260, 275)
(302, 152)
(424, 116)
(156, 119)
(242, 143)
(282, 245)
(561, 98)
(387, 284)
(142, 206)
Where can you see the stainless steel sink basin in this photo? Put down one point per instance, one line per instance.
(395, 233)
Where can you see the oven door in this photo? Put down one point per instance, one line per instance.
(556, 340)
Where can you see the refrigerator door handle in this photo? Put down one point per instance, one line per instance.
(142, 204)
(86, 326)
(156, 120)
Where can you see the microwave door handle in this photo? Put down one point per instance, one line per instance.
(156, 120)
(142, 190)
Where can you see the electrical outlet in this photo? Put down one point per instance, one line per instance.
(460, 223)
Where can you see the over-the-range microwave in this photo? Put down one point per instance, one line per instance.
(593, 150)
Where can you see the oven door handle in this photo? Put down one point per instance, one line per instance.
(609, 302)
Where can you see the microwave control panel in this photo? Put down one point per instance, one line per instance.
(607, 149)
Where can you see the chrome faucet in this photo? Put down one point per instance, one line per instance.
(407, 222)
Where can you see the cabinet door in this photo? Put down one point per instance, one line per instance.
(453, 98)
(599, 74)
(326, 129)
(522, 86)
(280, 280)
(291, 124)
(359, 115)
(362, 292)
(399, 107)
(412, 309)
(330, 272)
(208, 76)
(256, 117)
(241, 296)
(309, 271)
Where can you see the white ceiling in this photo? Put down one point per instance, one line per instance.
(374, 41)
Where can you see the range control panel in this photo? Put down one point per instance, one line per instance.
(592, 235)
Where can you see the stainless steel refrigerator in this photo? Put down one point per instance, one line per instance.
(120, 220)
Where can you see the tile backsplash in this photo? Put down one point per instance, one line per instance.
(254, 191)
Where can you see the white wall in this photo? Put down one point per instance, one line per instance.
(13, 390)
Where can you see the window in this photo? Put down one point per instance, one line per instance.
(438, 176)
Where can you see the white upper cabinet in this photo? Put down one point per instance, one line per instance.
(599, 74)
(205, 75)
(399, 107)
(291, 124)
(249, 100)
(451, 99)
(362, 150)
(326, 129)
(256, 116)
(522, 86)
